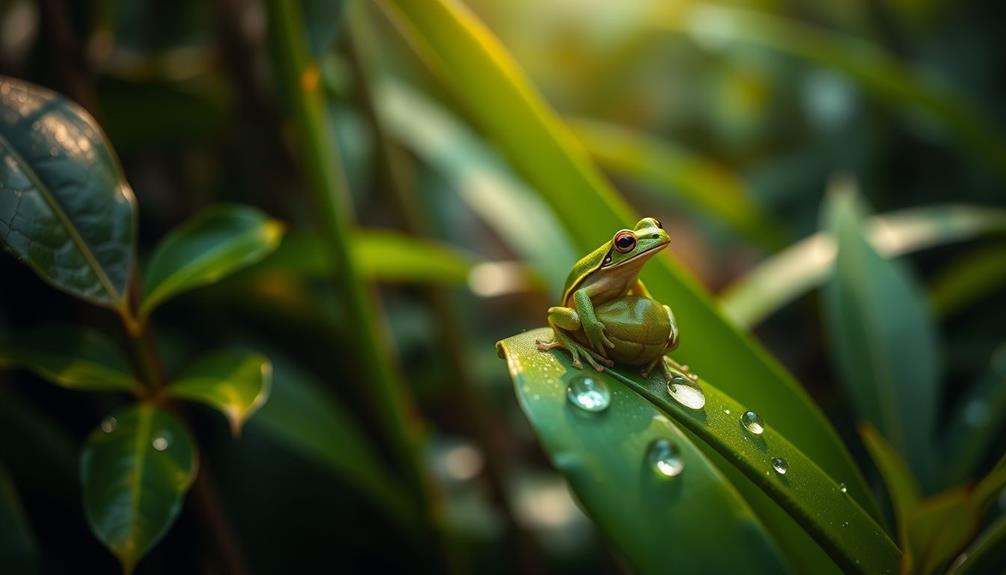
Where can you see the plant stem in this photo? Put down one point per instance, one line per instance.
(142, 352)
(476, 414)
(320, 156)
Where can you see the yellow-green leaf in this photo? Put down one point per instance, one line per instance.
(235, 383)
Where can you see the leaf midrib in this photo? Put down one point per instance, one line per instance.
(64, 220)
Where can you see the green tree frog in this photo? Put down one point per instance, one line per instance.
(608, 316)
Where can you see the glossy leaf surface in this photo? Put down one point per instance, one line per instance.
(508, 110)
(71, 357)
(874, 312)
(658, 522)
(135, 469)
(65, 208)
(816, 501)
(215, 243)
(235, 383)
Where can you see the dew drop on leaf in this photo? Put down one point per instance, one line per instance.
(109, 424)
(664, 458)
(843, 488)
(588, 393)
(161, 441)
(753, 423)
(779, 465)
(686, 393)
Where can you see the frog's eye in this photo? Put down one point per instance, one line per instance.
(624, 241)
(659, 225)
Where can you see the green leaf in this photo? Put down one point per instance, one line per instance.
(660, 524)
(65, 207)
(816, 501)
(482, 180)
(18, 549)
(697, 183)
(785, 276)
(976, 275)
(986, 555)
(874, 312)
(901, 486)
(507, 109)
(303, 417)
(135, 469)
(869, 65)
(235, 383)
(976, 424)
(70, 357)
(212, 245)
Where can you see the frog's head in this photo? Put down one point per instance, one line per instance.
(631, 248)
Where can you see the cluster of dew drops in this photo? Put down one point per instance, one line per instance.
(160, 442)
(663, 456)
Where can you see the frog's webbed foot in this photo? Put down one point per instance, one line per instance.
(672, 368)
(576, 350)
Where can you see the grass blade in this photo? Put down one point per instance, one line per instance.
(789, 274)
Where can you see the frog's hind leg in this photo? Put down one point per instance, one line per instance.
(564, 320)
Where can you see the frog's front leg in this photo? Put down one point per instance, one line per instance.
(563, 321)
(592, 327)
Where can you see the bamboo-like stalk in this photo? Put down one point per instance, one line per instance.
(328, 189)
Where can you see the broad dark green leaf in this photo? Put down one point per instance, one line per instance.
(135, 469)
(696, 183)
(976, 424)
(301, 416)
(659, 523)
(508, 111)
(18, 549)
(65, 208)
(792, 272)
(815, 500)
(213, 244)
(884, 342)
(235, 383)
(71, 357)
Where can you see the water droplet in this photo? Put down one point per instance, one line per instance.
(726, 411)
(109, 424)
(162, 440)
(753, 423)
(588, 393)
(685, 393)
(843, 488)
(665, 458)
(779, 465)
(845, 524)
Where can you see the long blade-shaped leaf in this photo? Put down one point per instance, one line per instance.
(976, 424)
(659, 522)
(874, 313)
(865, 63)
(694, 182)
(986, 555)
(71, 357)
(506, 108)
(796, 483)
(215, 243)
(235, 383)
(135, 469)
(804, 265)
(65, 208)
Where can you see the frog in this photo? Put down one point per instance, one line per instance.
(607, 315)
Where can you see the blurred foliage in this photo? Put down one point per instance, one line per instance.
(311, 221)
